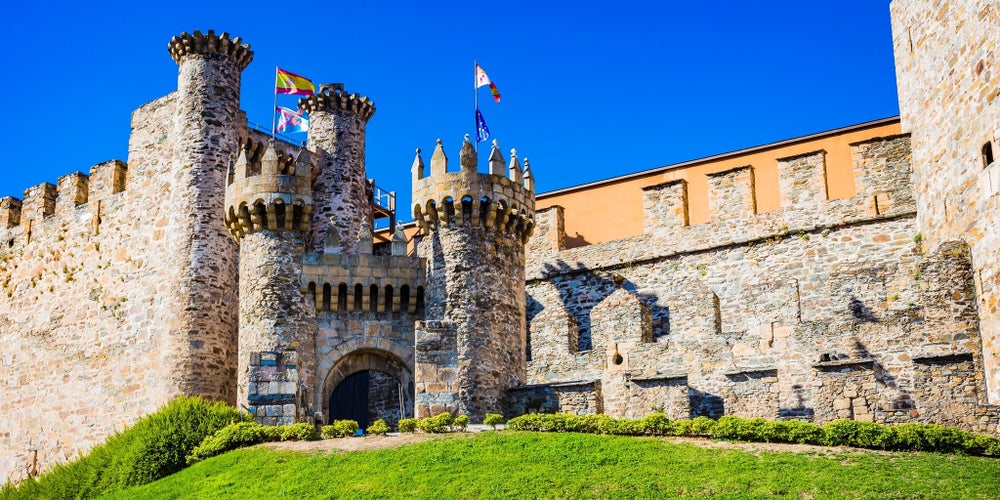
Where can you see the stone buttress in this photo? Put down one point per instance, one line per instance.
(205, 135)
(337, 138)
(471, 348)
(268, 214)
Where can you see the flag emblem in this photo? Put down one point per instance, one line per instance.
(286, 82)
(483, 79)
(290, 120)
(482, 131)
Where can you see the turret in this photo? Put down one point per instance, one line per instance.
(474, 227)
(207, 121)
(268, 215)
(337, 138)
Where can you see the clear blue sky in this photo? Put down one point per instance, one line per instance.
(591, 90)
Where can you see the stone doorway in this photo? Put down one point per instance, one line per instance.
(366, 385)
(367, 396)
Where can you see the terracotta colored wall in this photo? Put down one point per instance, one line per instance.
(613, 209)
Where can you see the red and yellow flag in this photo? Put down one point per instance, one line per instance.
(287, 82)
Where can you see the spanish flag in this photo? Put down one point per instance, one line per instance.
(287, 82)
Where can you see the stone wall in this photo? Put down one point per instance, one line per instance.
(949, 83)
(814, 311)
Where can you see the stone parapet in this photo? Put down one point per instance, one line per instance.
(278, 198)
(469, 198)
(349, 283)
(333, 100)
(186, 44)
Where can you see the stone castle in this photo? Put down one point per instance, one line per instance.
(221, 263)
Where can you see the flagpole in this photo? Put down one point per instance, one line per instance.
(475, 90)
(274, 109)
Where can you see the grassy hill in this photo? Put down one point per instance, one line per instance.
(570, 465)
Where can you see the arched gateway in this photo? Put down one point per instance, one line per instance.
(368, 384)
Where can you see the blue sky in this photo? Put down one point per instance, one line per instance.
(591, 90)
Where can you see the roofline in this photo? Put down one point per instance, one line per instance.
(722, 156)
(706, 159)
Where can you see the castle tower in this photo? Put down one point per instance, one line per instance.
(948, 73)
(471, 347)
(205, 137)
(268, 214)
(337, 137)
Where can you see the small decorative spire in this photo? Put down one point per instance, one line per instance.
(365, 237)
(514, 167)
(467, 157)
(417, 169)
(399, 240)
(303, 164)
(439, 161)
(529, 180)
(497, 166)
(269, 162)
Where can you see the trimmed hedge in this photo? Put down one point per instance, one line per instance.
(154, 447)
(440, 423)
(243, 434)
(340, 428)
(902, 437)
(378, 428)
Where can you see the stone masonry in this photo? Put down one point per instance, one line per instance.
(220, 263)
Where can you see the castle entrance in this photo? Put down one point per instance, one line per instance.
(367, 396)
(367, 385)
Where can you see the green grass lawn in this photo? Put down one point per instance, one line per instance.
(568, 465)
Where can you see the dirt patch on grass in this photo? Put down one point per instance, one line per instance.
(397, 440)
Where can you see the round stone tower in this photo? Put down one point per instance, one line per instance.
(474, 227)
(204, 139)
(268, 214)
(337, 138)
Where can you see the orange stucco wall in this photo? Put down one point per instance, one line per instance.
(612, 209)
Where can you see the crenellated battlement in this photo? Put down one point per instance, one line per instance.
(187, 44)
(333, 97)
(278, 196)
(469, 198)
(46, 200)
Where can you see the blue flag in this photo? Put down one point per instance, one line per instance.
(482, 131)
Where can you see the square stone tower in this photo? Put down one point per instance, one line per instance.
(949, 83)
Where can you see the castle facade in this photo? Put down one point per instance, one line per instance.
(850, 274)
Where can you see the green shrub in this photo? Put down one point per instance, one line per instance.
(656, 424)
(702, 426)
(407, 424)
(493, 420)
(155, 446)
(461, 423)
(855, 433)
(299, 432)
(339, 428)
(227, 438)
(270, 433)
(437, 424)
(378, 428)
(797, 431)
